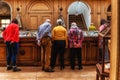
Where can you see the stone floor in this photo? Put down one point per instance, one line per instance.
(35, 73)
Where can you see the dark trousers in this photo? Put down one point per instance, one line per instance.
(75, 53)
(58, 48)
(12, 50)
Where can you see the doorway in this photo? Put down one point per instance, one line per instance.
(79, 12)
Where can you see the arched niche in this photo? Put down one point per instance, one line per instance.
(79, 12)
(5, 14)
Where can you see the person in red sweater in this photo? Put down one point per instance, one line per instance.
(11, 39)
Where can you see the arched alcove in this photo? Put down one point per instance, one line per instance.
(5, 14)
(79, 12)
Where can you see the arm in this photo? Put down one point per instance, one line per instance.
(53, 33)
(66, 38)
(80, 39)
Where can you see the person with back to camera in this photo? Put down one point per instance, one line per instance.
(103, 26)
(44, 41)
(60, 42)
(76, 38)
(11, 38)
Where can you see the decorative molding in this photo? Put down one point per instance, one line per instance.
(98, 13)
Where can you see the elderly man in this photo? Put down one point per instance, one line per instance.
(44, 41)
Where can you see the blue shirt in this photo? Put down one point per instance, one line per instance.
(44, 30)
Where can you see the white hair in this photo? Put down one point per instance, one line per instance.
(47, 20)
(73, 25)
(59, 20)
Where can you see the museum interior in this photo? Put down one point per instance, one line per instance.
(31, 13)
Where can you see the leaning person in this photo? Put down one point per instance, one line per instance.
(44, 41)
(60, 42)
(11, 38)
(76, 38)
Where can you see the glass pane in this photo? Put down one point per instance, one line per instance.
(3, 21)
(8, 21)
(3, 26)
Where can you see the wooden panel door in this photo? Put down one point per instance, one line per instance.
(35, 19)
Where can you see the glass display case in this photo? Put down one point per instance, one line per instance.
(90, 33)
(1, 34)
(31, 33)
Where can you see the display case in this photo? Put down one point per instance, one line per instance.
(28, 50)
(31, 33)
(30, 53)
(90, 33)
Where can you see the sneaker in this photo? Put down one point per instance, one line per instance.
(9, 68)
(61, 68)
(49, 70)
(72, 67)
(80, 68)
(15, 69)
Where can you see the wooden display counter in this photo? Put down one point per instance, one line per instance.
(29, 53)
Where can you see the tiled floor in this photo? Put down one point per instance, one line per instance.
(35, 73)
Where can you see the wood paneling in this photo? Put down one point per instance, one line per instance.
(90, 50)
(27, 52)
(28, 7)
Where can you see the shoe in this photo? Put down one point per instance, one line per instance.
(61, 68)
(42, 68)
(52, 68)
(15, 69)
(79, 68)
(9, 68)
(49, 70)
(73, 68)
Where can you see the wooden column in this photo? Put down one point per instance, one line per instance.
(114, 42)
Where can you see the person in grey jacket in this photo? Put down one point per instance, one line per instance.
(44, 41)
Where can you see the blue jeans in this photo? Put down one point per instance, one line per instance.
(12, 50)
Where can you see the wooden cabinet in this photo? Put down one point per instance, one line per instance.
(27, 51)
(101, 69)
(2, 52)
(89, 51)
(27, 54)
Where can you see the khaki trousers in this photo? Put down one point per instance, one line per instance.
(46, 52)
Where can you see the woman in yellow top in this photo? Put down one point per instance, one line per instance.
(60, 42)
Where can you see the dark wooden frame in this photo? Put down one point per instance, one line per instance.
(102, 73)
